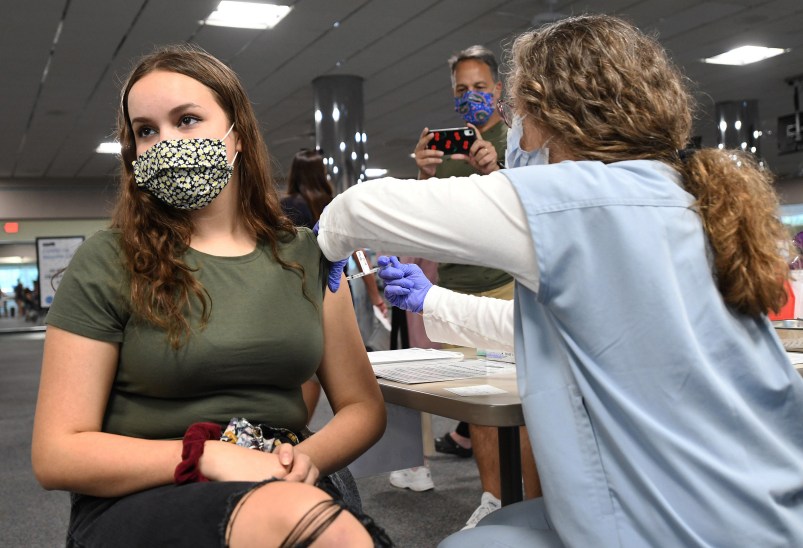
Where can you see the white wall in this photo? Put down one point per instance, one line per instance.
(68, 207)
(22, 199)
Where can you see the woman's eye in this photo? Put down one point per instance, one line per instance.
(187, 120)
(144, 132)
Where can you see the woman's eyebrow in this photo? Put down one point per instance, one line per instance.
(173, 111)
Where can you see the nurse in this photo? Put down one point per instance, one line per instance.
(662, 408)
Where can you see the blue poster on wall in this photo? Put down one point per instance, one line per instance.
(53, 254)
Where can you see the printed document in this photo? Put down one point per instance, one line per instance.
(439, 370)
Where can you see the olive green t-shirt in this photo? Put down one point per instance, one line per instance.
(471, 278)
(263, 339)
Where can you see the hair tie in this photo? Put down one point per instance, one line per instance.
(195, 437)
(686, 153)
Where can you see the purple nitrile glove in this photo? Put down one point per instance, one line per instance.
(335, 271)
(405, 284)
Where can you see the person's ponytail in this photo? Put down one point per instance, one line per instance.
(739, 210)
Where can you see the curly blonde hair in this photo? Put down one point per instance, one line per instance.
(607, 92)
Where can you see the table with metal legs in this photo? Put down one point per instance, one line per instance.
(500, 410)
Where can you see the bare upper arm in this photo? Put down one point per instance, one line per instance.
(76, 379)
(345, 372)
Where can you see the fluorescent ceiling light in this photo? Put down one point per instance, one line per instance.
(375, 172)
(108, 148)
(744, 55)
(247, 15)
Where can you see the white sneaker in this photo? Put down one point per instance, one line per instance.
(488, 504)
(415, 479)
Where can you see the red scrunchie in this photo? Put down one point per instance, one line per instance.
(196, 435)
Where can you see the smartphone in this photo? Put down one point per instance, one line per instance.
(454, 140)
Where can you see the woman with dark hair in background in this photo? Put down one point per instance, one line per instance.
(308, 188)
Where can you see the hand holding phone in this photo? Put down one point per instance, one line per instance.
(456, 140)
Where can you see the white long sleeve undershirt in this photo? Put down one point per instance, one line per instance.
(468, 220)
(466, 320)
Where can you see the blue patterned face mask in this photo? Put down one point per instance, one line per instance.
(185, 173)
(515, 156)
(475, 106)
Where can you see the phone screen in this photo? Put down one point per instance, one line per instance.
(456, 140)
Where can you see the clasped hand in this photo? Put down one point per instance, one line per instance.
(406, 286)
(229, 462)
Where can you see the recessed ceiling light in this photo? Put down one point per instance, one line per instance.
(247, 15)
(109, 148)
(744, 55)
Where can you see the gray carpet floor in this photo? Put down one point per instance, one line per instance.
(33, 517)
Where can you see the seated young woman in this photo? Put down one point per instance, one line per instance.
(200, 304)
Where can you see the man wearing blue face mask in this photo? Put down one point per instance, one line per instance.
(476, 89)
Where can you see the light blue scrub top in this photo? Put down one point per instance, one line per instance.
(658, 415)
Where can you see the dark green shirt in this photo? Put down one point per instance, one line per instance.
(471, 278)
(262, 341)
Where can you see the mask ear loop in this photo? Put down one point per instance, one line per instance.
(236, 152)
(517, 119)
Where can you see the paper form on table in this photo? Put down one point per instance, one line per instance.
(439, 370)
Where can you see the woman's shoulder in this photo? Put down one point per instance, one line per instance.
(306, 235)
(302, 247)
(303, 240)
(303, 244)
(100, 253)
(104, 236)
(105, 242)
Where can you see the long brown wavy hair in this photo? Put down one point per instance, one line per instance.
(607, 92)
(307, 177)
(155, 236)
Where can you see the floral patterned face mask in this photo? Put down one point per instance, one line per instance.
(185, 173)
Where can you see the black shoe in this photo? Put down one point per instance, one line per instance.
(446, 444)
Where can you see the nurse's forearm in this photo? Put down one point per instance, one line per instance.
(466, 220)
(365, 216)
(467, 320)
